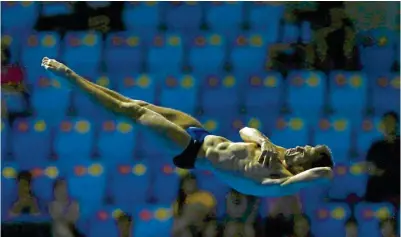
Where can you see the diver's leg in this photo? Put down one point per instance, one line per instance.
(175, 137)
(180, 118)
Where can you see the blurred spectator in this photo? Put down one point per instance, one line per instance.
(194, 210)
(242, 211)
(26, 202)
(124, 225)
(383, 163)
(351, 227)
(301, 226)
(281, 210)
(64, 211)
(388, 228)
(99, 16)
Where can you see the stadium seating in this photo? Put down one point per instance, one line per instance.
(208, 60)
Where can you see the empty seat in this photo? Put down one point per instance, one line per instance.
(166, 55)
(132, 174)
(301, 86)
(138, 86)
(219, 95)
(44, 174)
(124, 52)
(143, 17)
(83, 52)
(116, 141)
(174, 89)
(38, 45)
(331, 130)
(291, 126)
(153, 220)
(224, 17)
(369, 216)
(330, 219)
(165, 181)
(31, 142)
(266, 16)
(249, 53)
(74, 140)
(27, 13)
(207, 53)
(50, 99)
(348, 94)
(368, 132)
(386, 93)
(183, 16)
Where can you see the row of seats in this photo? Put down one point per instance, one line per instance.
(163, 53)
(344, 92)
(154, 176)
(81, 138)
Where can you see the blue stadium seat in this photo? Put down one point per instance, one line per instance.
(166, 55)
(306, 32)
(383, 40)
(263, 91)
(103, 222)
(207, 53)
(142, 17)
(5, 131)
(291, 33)
(50, 99)
(38, 45)
(386, 93)
(369, 216)
(235, 124)
(116, 141)
(50, 9)
(367, 133)
(8, 181)
(74, 140)
(301, 86)
(27, 13)
(165, 181)
(295, 128)
(266, 16)
(124, 52)
(331, 130)
(15, 102)
(174, 89)
(219, 95)
(83, 52)
(11, 40)
(225, 17)
(350, 178)
(44, 176)
(31, 138)
(87, 183)
(153, 220)
(132, 174)
(330, 219)
(249, 53)
(348, 94)
(85, 106)
(138, 87)
(183, 16)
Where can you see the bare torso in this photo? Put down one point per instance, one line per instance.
(237, 156)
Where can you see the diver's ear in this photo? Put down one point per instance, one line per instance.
(309, 175)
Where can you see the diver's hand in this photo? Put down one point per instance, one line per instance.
(56, 67)
(268, 151)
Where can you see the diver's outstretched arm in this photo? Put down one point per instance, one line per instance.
(171, 133)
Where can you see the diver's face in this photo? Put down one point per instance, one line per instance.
(299, 157)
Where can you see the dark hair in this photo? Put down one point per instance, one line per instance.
(57, 182)
(124, 217)
(392, 114)
(297, 217)
(24, 175)
(324, 157)
(181, 194)
(352, 221)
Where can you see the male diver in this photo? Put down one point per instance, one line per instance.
(255, 167)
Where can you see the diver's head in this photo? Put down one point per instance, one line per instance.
(299, 159)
